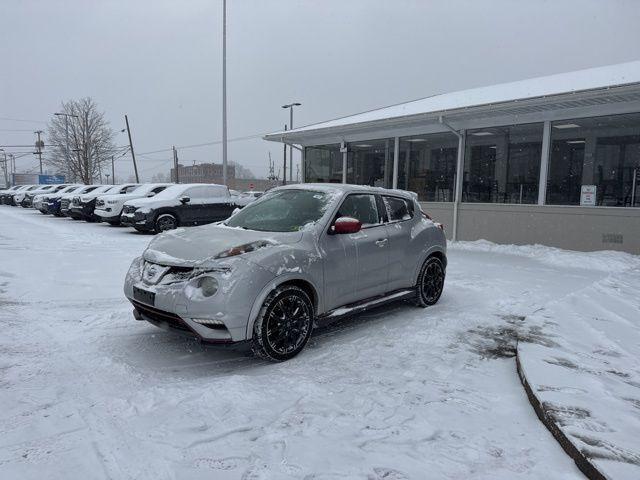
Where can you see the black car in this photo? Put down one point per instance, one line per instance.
(179, 205)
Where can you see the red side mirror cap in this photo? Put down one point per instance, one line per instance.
(347, 225)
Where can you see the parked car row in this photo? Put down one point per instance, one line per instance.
(149, 207)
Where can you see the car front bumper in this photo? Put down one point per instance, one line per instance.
(137, 220)
(107, 212)
(174, 306)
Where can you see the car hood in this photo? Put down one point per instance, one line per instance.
(199, 246)
(121, 197)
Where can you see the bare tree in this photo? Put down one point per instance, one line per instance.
(242, 172)
(81, 140)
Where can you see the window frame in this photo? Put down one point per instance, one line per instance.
(381, 214)
(409, 203)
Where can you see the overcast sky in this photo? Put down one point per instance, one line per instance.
(159, 61)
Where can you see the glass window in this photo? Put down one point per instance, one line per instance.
(282, 211)
(427, 166)
(502, 164)
(398, 209)
(361, 207)
(371, 163)
(600, 151)
(323, 164)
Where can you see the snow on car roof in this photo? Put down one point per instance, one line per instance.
(175, 190)
(580, 80)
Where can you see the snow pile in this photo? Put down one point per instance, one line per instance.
(586, 368)
(604, 260)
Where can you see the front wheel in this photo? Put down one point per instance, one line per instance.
(165, 222)
(284, 324)
(430, 282)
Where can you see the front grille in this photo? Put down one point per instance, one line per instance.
(171, 319)
(64, 204)
(128, 209)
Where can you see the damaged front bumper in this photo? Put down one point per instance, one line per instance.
(169, 297)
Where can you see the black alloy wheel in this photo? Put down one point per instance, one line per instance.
(284, 324)
(430, 282)
(166, 222)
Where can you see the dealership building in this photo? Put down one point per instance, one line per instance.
(551, 160)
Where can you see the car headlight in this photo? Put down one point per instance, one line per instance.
(208, 286)
(246, 248)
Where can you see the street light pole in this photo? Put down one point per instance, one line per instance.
(224, 92)
(290, 107)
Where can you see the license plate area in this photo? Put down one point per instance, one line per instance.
(144, 296)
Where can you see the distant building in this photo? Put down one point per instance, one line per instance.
(202, 173)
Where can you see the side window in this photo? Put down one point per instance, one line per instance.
(398, 209)
(130, 188)
(197, 193)
(362, 207)
(158, 189)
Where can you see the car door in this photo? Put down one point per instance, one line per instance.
(363, 257)
(400, 219)
(191, 211)
(218, 205)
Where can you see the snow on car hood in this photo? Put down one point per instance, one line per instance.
(200, 245)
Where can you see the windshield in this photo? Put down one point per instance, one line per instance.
(282, 211)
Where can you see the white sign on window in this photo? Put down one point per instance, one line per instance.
(588, 195)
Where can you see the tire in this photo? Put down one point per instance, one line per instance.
(164, 222)
(430, 282)
(280, 344)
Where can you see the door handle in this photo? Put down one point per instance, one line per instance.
(382, 242)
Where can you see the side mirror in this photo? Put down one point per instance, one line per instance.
(185, 200)
(151, 194)
(346, 225)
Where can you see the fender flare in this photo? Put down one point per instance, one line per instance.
(270, 287)
(423, 257)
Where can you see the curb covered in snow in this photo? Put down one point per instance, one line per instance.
(582, 462)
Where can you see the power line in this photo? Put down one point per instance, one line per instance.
(206, 144)
(21, 120)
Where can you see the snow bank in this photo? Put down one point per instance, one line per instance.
(587, 372)
(603, 260)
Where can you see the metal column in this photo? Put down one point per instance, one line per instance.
(544, 162)
(396, 159)
(459, 178)
(344, 167)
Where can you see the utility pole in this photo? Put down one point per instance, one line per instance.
(113, 171)
(39, 144)
(6, 173)
(13, 168)
(133, 155)
(224, 92)
(284, 150)
(290, 107)
(175, 163)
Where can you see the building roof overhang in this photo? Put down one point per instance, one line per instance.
(602, 90)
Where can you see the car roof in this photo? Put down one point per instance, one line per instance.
(346, 188)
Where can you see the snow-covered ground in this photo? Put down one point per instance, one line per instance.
(400, 392)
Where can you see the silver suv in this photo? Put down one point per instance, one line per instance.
(295, 258)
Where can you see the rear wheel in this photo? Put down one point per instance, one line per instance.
(430, 282)
(165, 222)
(284, 324)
